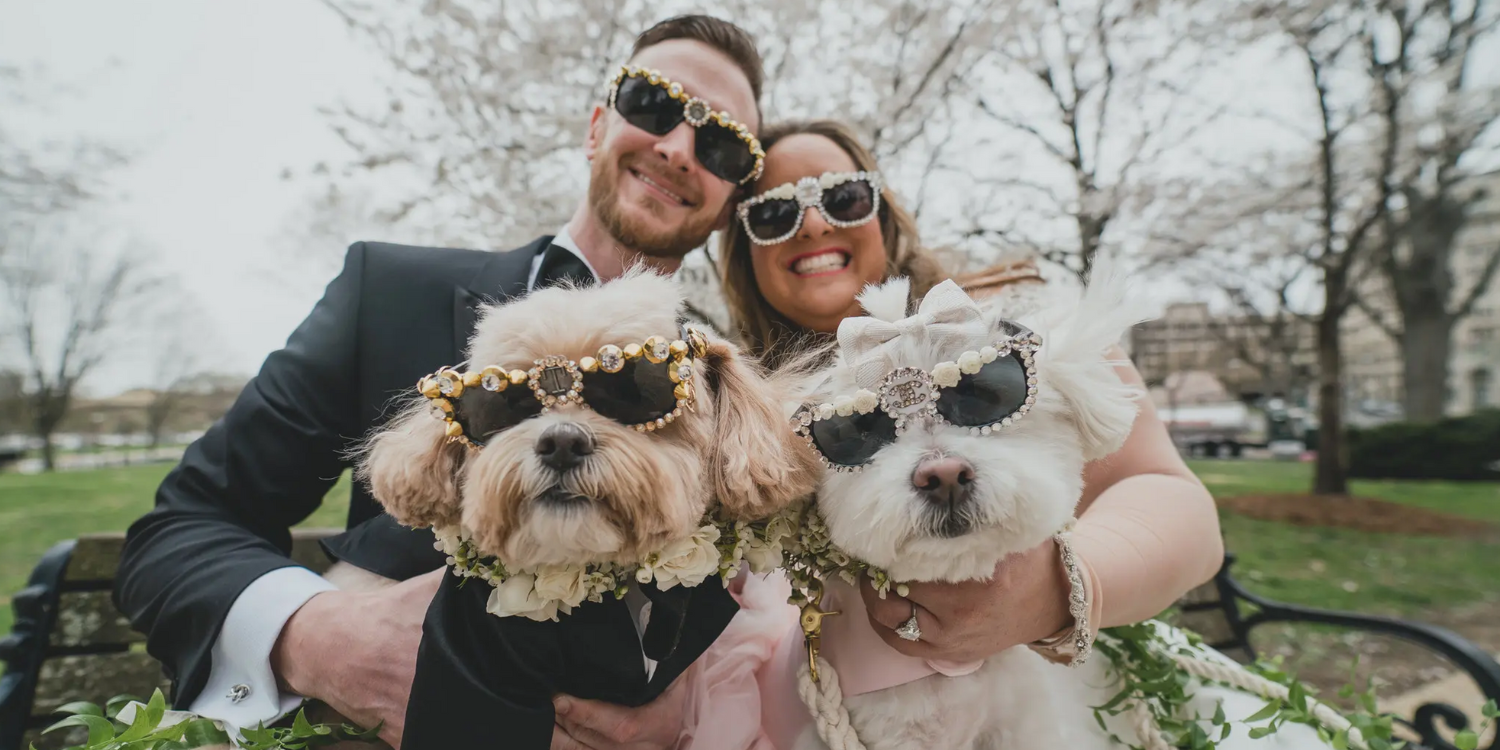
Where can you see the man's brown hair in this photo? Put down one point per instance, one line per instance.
(733, 41)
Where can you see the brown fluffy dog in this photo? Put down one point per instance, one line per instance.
(634, 491)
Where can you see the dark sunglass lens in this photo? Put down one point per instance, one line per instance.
(640, 392)
(723, 153)
(773, 219)
(850, 201)
(484, 413)
(987, 396)
(855, 439)
(647, 107)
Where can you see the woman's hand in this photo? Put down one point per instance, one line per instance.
(595, 725)
(1025, 601)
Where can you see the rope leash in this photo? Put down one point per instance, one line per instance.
(825, 700)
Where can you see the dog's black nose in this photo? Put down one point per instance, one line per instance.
(944, 481)
(563, 446)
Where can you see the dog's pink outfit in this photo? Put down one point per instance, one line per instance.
(743, 690)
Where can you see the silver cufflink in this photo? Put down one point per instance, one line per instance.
(239, 693)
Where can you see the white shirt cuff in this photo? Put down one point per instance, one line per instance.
(241, 690)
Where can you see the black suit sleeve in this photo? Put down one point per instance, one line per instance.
(222, 518)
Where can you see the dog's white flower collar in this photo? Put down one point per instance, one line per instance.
(718, 547)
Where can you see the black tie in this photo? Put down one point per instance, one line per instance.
(561, 265)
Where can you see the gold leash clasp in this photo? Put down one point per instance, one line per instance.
(812, 624)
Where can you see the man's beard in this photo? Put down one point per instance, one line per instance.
(604, 197)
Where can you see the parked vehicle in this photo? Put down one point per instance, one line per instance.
(1225, 430)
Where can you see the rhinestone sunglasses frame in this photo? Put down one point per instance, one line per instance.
(695, 111)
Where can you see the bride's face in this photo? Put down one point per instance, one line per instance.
(813, 277)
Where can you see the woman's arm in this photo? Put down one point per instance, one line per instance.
(1147, 526)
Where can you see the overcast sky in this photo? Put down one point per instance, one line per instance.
(217, 99)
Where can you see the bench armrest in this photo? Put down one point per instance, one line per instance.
(1227, 597)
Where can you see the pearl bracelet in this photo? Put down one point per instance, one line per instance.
(1073, 643)
(1078, 604)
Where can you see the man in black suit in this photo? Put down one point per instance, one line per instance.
(244, 633)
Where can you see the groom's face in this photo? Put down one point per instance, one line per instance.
(650, 192)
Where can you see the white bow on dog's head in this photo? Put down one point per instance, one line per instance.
(947, 317)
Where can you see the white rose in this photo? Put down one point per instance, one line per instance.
(970, 362)
(447, 539)
(569, 585)
(865, 401)
(516, 595)
(844, 405)
(778, 528)
(689, 561)
(988, 354)
(763, 557)
(825, 411)
(946, 374)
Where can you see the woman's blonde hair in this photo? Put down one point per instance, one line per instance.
(767, 332)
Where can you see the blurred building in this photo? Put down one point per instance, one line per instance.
(1248, 356)
(1256, 357)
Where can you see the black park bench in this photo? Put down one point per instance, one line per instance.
(69, 642)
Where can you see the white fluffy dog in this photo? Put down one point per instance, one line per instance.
(944, 501)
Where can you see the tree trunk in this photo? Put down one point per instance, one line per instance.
(1424, 289)
(1330, 477)
(1426, 341)
(49, 458)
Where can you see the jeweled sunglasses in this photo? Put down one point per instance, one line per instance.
(985, 390)
(845, 199)
(724, 146)
(646, 386)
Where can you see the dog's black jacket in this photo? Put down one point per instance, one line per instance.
(222, 517)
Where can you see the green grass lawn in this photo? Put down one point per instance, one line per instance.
(1341, 569)
(40, 510)
(1325, 567)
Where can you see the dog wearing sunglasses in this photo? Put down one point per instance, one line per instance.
(588, 426)
(952, 438)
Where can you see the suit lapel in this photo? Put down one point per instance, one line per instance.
(502, 278)
(698, 615)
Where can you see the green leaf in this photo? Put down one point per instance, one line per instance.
(1341, 741)
(1265, 713)
(115, 705)
(143, 724)
(201, 732)
(1259, 732)
(1466, 740)
(1219, 713)
(363, 735)
(156, 707)
(80, 707)
(1490, 710)
(100, 728)
(300, 725)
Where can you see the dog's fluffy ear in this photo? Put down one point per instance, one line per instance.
(1076, 363)
(756, 465)
(888, 301)
(413, 469)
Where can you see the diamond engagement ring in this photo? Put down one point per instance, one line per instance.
(910, 630)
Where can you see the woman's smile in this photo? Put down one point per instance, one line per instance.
(823, 262)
